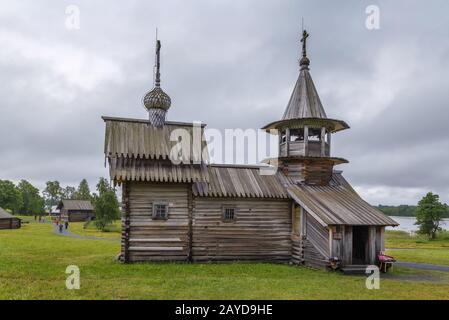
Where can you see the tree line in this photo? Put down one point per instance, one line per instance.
(25, 199)
(404, 210)
(429, 214)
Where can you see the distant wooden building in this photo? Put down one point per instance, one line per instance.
(306, 213)
(8, 221)
(76, 210)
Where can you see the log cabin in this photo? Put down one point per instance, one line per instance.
(306, 213)
(76, 210)
(8, 221)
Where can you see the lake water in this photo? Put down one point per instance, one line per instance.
(408, 224)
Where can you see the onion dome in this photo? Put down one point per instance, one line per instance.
(157, 102)
(157, 99)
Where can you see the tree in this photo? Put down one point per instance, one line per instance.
(429, 214)
(83, 191)
(33, 203)
(106, 206)
(52, 193)
(10, 196)
(69, 193)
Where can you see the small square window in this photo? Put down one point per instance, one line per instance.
(160, 211)
(228, 214)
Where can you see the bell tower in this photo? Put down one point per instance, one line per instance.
(305, 131)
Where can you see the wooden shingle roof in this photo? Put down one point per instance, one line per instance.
(134, 138)
(5, 215)
(131, 169)
(304, 101)
(338, 204)
(82, 205)
(241, 181)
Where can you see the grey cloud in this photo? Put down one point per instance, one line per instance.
(231, 65)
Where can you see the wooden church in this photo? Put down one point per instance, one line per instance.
(305, 214)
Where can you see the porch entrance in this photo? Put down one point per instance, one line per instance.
(360, 245)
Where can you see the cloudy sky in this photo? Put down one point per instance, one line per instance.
(231, 64)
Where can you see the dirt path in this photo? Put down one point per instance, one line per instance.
(78, 236)
(422, 266)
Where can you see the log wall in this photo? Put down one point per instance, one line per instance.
(10, 223)
(157, 240)
(77, 216)
(316, 249)
(261, 232)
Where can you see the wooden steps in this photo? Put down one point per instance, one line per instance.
(354, 269)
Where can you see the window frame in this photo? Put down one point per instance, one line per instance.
(223, 213)
(154, 215)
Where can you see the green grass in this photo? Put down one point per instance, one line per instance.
(111, 232)
(422, 250)
(432, 256)
(403, 240)
(33, 262)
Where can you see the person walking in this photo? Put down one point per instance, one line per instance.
(61, 227)
(66, 225)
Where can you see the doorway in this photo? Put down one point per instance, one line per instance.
(359, 245)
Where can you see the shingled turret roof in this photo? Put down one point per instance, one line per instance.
(304, 102)
(304, 106)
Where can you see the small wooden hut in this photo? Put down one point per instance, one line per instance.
(76, 210)
(306, 213)
(8, 221)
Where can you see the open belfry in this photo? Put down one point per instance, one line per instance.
(189, 210)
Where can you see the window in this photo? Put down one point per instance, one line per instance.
(296, 135)
(283, 137)
(314, 134)
(228, 214)
(160, 211)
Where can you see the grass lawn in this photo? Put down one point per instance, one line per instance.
(422, 249)
(433, 256)
(403, 240)
(33, 262)
(112, 232)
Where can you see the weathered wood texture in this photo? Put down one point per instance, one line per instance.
(76, 210)
(261, 232)
(311, 171)
(10, 223)
(298, 148)
(132, 169)
(241, 181)
(158, 240)
(137, 139)
(380, 239)
(316, 244)
(338, 204)
(297, 256)
(347, 245)
(76, 216)
(371, 245)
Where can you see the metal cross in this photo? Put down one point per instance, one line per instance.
(305, 35)
(158, 63)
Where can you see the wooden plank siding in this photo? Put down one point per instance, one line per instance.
(76, 216)
(261, 231)
(316, 243)
(10, 223)
(158, 240)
